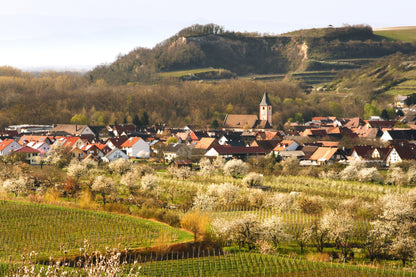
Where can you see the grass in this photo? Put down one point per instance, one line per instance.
(184, 73)
(405, 34)
(48, 229)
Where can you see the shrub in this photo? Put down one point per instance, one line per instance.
(311, 205)
(196, 222)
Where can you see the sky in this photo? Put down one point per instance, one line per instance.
(75, 34)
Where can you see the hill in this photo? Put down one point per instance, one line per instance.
(210, 46)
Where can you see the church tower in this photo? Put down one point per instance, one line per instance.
(265, 112)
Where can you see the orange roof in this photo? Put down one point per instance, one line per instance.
(323, 153)
(283, 145)
(25, 139)
(204, 143)
(131, 141)
(5, 143)
(27, 149)
(329, 143)
(270, 135)
(70, 141)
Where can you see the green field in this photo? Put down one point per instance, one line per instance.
(193, 73)
(405, 34)
(46, 229)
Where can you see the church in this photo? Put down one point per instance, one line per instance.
(240, 122)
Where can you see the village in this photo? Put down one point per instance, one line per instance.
(321, 141)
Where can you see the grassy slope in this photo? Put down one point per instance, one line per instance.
(405, 34)
(29, 227)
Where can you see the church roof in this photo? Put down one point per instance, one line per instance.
(265, 101)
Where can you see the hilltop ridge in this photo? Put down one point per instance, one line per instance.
(210, 46)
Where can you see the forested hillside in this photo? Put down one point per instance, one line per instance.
(303, 72)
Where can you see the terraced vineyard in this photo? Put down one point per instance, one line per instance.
(404, 88)
(46, 229)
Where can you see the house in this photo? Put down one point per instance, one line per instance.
(299, 154)
(267, 145)
(115, 142)
(285, 145)
(7, 146)
(232, 139)
(31, 154)
(72, 130)
(327, 155)
(42, 147)
(243, 153)
(401, 134)
(174, 151)
(314, 133)
(136, 147)
(70, 142)
(400, 101)
(77, 153)
(92, 150)
(367, 132)
(206, 143)
(114, 155)
(400, 151)
(362, 152)
(354, 123)
(121, 130)
(24, 140)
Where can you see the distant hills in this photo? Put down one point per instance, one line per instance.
(312, 56)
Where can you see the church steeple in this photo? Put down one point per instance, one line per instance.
(265, 109)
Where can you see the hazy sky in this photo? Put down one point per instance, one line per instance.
(74, 33)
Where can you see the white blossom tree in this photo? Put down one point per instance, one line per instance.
(253, 179)
(340, 229)
(274, 231)
(21, 185)
(119, 166)
(235, 168)
(150, 183)
(104, 186)
(76, 169)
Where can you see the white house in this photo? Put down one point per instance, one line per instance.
(42, 147)
(114, 155)
(136, 147)
(7, 146)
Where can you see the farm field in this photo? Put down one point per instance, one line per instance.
(250, 264)
(405, 34)
(48, 229)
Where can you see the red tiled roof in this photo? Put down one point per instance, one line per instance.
(131, 141)
(239, 150)
(27, 149)
(5, 143)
